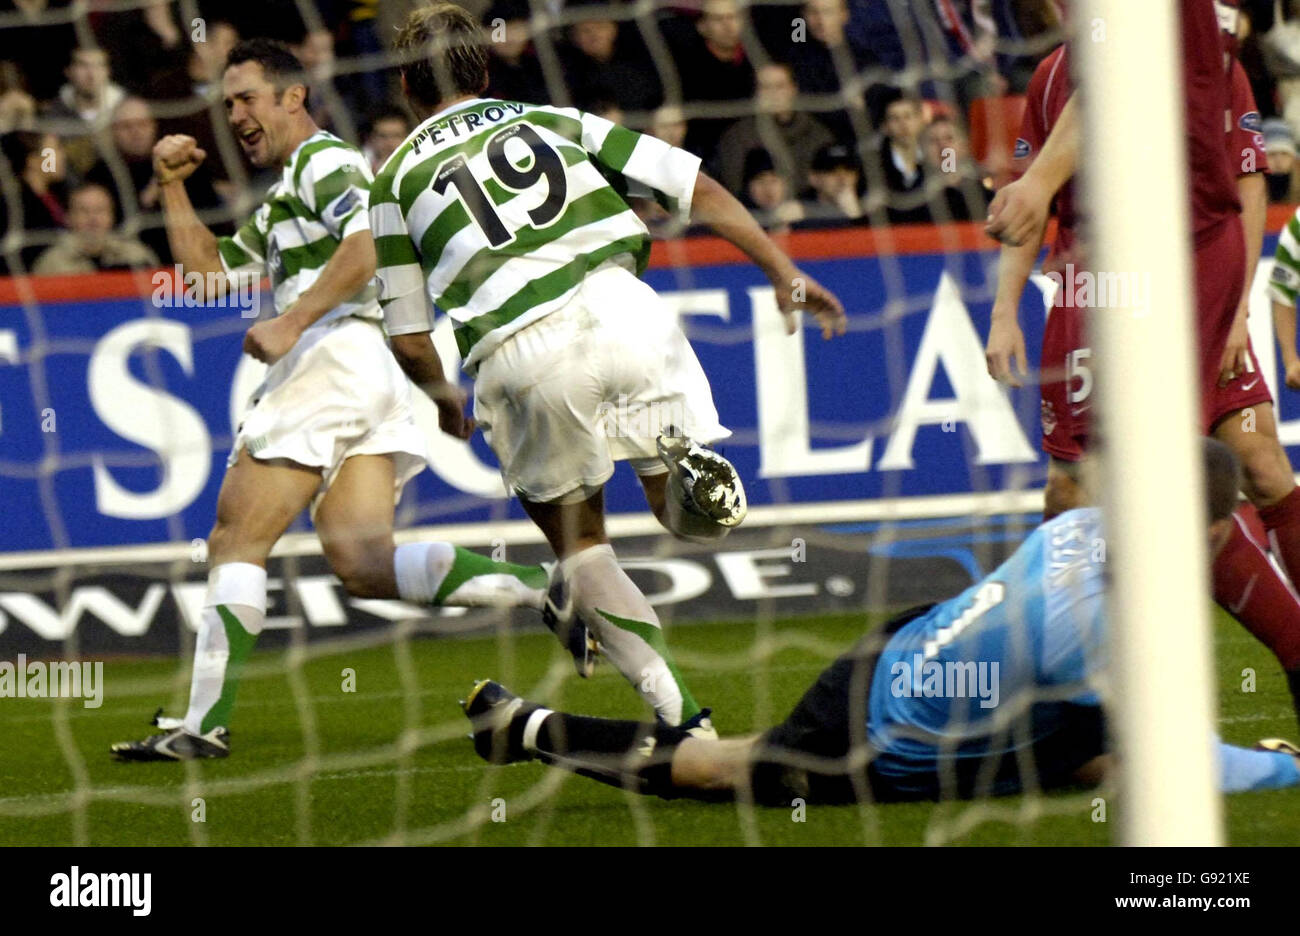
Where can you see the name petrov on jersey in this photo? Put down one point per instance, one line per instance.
(493, 113)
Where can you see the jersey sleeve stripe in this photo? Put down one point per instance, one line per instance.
(617, 148)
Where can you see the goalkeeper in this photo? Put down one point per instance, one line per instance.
(887, 722)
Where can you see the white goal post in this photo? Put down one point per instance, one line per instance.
(1152, 478)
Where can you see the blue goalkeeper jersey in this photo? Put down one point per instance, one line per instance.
(958, 681)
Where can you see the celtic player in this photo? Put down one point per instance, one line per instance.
(331, 425)
(515, 221)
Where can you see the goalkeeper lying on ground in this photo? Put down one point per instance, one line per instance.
(986, 693)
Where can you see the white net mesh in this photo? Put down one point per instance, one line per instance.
(883, 470)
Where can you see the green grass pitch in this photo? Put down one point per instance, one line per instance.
(390, 762)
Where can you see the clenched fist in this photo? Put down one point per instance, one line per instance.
(175, 157)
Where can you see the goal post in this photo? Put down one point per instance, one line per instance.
(1152, 477)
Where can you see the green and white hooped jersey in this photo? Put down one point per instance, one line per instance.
(1284, 281)
(320, 199)
(494, 211)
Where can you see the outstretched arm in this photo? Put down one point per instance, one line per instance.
(713, 205)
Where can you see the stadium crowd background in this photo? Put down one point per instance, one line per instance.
(829, 112)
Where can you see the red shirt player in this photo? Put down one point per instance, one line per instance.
(1222, 145)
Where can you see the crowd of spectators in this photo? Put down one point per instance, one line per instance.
(816, 113)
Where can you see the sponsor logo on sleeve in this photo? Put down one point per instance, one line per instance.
(1285, 276)
(346, 203)
(1251, 122)
(1022, 149)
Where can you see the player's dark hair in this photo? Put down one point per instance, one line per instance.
(1222, 478)
(280, 66)
(442, 53)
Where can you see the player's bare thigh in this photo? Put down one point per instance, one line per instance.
(570, 527)
(355, 523)
(1251, 433)
(258, 501)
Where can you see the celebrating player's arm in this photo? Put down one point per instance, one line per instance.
(344, 275)
(713, 205)
(1283, 289)
(419, 360)
(175, 157)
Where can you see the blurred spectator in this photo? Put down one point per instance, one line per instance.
(669, 125)
(17, 111)
(768, 193)
(384, 135)
(791, 137)
(191, 89)
(824, 57)
(84, 105)
(140, 41)
(514, 73)
(607, 108)
(600, 67)
(714, 72)
(1254, 19)
(315, 49)
(836, 185)
(38, 47)
(90, 93)
(963, 189)
(134, 133)
(950, 42)
(90, 243)
(1026, 31)
(39, 167)
(1279, 143)
(1280, 44)
(901, 162)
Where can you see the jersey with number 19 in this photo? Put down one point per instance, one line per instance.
(514, 219)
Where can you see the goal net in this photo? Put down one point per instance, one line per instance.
(884, 469)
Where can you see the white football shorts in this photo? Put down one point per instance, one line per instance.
(338, 393)
(590, 384)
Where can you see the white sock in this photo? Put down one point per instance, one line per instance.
(443, 574)
(233, 614)
(628, 630)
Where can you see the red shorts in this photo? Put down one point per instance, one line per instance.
(1067, 383)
